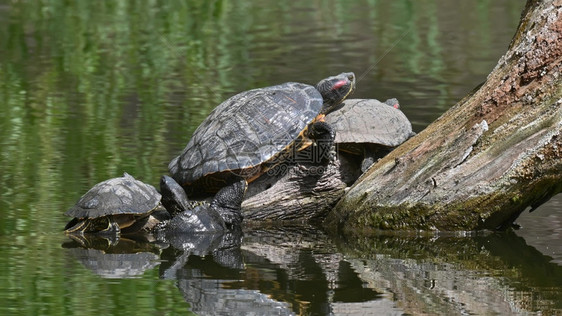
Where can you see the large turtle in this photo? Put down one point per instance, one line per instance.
(369, 128)
(116, 205)
(254, 130)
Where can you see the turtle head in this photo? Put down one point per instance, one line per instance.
(335, 89)
(174, 197)
(393, 103)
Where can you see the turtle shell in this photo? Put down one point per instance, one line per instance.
(369, 121)
(124, 195)
(247, 130)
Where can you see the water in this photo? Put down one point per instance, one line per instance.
(89, 90)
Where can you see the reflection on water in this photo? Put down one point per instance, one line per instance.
(493, 274)
(298, 270)
(542, 228)
(113, 257)
(91, 89)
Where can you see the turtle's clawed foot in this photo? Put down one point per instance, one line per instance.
(323, 135)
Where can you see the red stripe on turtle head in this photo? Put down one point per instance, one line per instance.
(339, 84)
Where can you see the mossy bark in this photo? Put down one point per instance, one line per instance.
(483, 162)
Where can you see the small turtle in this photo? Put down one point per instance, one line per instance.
(221, 214)
(369, 128)
(255, 130)
(116, 205)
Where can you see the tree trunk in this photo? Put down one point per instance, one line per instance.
(483, 162)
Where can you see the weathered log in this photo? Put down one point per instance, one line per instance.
(300, 192)
(483, 162)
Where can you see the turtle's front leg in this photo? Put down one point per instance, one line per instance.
(228, 203)
(112, 227)
(323, 135)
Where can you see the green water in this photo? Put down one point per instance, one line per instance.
(91, 89)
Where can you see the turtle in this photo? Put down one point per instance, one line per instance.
(253, 131)
(369, 128)
(118, 205)
(223, 213)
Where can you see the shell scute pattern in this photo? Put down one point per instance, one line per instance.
(123, 195)
(370, 121)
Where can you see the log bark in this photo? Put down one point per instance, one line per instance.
(298, 193)
(491, 156)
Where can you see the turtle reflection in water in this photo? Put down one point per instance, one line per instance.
(255, 130)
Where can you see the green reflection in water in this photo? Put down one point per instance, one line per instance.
(40, 279)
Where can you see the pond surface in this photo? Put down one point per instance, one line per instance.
(91, 89)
